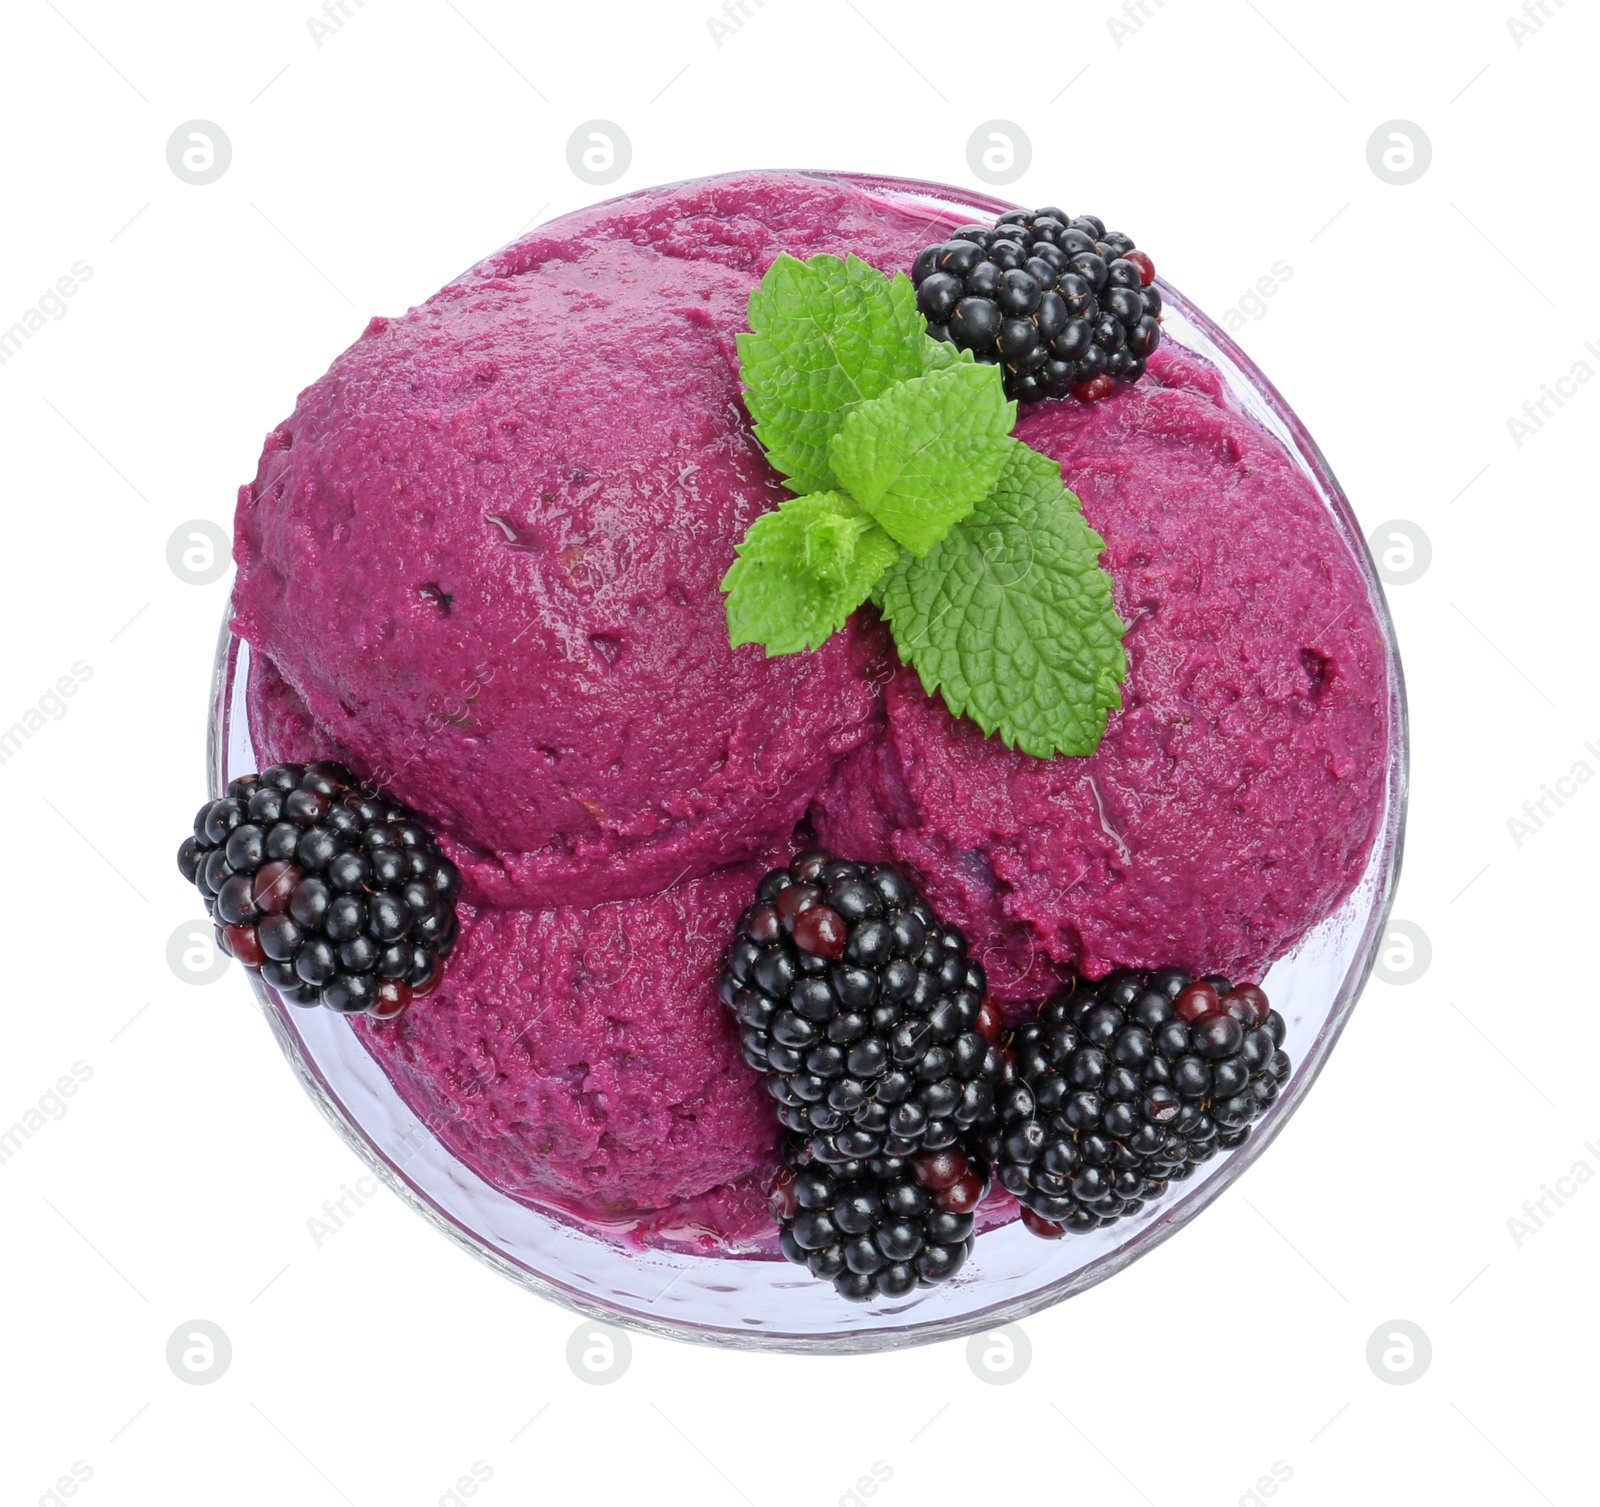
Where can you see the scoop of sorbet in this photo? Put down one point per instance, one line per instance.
(1233, 800)
(582, 1060)
(484, 553)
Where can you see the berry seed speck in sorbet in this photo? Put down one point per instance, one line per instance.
(855, 808)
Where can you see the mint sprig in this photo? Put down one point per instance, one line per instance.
(915, 493)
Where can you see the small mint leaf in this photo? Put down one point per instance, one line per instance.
(941, 353)
(920, 457)
(1010, 616)
(801, 570)
(824, 335)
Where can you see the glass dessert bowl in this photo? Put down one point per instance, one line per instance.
(764, 1302)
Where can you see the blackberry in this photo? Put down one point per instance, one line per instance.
(1061, 304)
(865, 1013)
(1120, 1087)
(882, 1227)
(333, 895)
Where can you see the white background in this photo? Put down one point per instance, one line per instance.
(381, 1366)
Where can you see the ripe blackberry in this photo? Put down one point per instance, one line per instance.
(1120, 1087)
(878, 1228)
(864, 1012)
(334, 896)
(1061, 304)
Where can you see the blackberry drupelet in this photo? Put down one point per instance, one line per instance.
(882, 1227)
(1120, 1087)
(862, 1010)
(1061, 304)
(334, 896)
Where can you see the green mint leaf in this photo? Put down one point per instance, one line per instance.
(802, 570)
(940, 353)
(1010, 616)
(824, 335)
(920, 457)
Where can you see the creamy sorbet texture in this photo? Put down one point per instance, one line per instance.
(479, 563)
